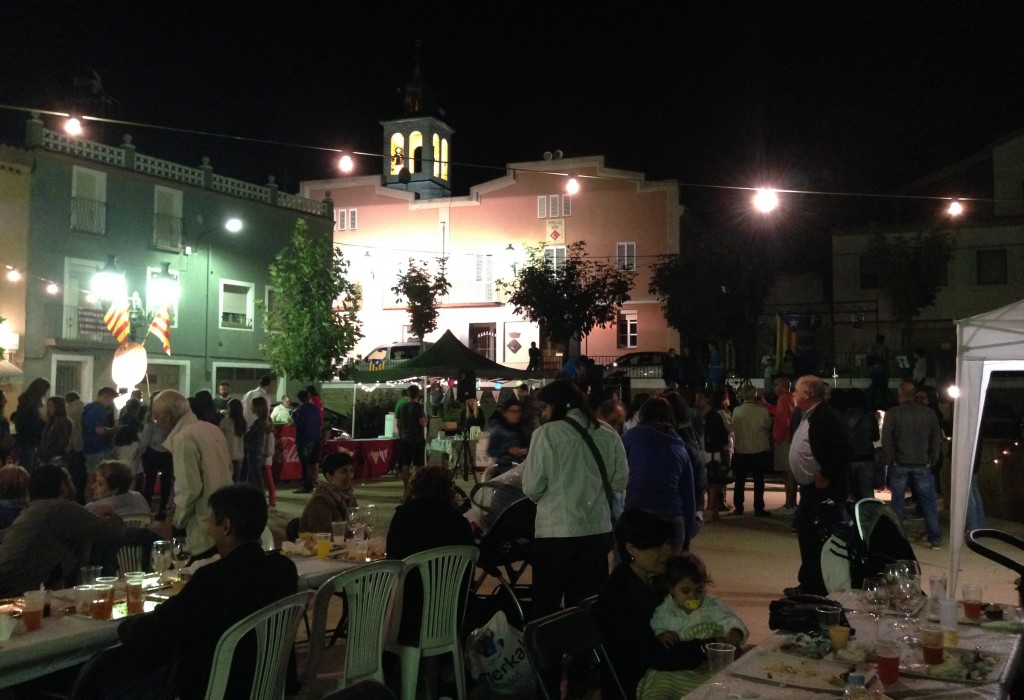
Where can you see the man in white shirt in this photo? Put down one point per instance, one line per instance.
(261, 390)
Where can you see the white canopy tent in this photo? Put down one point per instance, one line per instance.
(986, 343)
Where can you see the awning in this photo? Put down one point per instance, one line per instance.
(9, 371)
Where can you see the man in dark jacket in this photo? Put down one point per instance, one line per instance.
(819, 458)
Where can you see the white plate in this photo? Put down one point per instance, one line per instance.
(788, 670)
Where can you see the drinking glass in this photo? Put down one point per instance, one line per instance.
(181, 553)
(160, 557)
(357, 523)
(892, 572)
(876, 597)
(909, 567)
(909, 600)
(369, 519)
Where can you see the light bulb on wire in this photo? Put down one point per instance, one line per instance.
(765, 200)
(52, 289)
(345, 163)
(73, 126)
(572, 186)
(13, 275)
(955, 208)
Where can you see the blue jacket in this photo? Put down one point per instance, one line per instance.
(660, 475)
(307, 424)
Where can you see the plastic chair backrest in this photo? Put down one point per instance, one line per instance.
(137, 519)
(368, 590)
(275, 627)
(132, 557)
(445, 573)
(267, 540)
(570, 632)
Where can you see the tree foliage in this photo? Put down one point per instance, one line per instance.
(570, 300)
(910, 268)
(714, 288)
(306, 330)
(422, 292)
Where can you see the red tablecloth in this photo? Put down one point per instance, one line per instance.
(373, 457)
(291, 469)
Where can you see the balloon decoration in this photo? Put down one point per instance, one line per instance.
(129, 366)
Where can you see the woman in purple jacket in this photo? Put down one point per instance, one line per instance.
(660, 473)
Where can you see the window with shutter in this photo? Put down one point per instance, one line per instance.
(566, 205)
(627, 329)
(542, 207)
(340, 219)
(553, 205)
(554, 256)
(626, 255)
(88, 200)
(167, 218)
(236, 305)
(353, 219)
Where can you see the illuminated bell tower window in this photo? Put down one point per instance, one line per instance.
(444, 159)
(436, 154)
(415, 152)
(397, 153)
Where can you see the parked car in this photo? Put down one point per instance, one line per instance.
(382, 357)
(636, 365)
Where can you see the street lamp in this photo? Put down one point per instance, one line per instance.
(232, 225)
(108, 284)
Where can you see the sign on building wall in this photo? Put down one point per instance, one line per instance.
(90, 321)
(556, 232)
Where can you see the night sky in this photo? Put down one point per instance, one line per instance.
(824, 96)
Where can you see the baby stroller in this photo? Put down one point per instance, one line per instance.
(975, 545)
(861, 548)
(506, 518)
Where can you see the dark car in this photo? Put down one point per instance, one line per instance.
(636, 365)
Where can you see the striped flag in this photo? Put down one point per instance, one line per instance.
(785, 337)
(161, 328)
(117, 320)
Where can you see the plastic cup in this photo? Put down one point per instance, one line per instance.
(102, 607)
(32, 613)
(363, 550)
(720, 655)
(862, 624)
(323, 545)
(828, 617)
(839, 636)
(89, 574)
(83, 598)
(948, 613)
(888, 655)
(112, 580)
(972, 602)
(133, 588)
(931, 644)
(338, 530)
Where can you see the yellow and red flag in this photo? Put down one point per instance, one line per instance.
(117, 321)
(161, 328)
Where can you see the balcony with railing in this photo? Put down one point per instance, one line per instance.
(75, 323)
(167, 232)
(88, 216)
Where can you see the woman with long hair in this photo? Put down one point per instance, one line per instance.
(57, 433)
(718, 444)
(28, 422)
(255, 441)
(233, 426)
(573, 526)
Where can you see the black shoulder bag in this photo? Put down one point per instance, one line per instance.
(585, 434)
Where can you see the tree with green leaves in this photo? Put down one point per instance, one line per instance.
(568, 299)
(911, 269)
(422, 292)
(312, 318)
(714, 288)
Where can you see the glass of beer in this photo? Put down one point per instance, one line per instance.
(102, 607)
(972, 602)
(323, 545)
(888, 655)
(32, 613)
(133, 587)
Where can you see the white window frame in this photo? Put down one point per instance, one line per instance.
(625, 255)
(340, 219)
(630, 338)
(150, 308)
(566, 205)
(553, 207)
(249, 305)
(267, 291)
(97, 195)
(87, 361)
(542, 206)
(184, 375)
(555, 254)
(353, 219)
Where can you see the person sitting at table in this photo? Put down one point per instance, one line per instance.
(509, 438)
(13, 493)
(111, 488)
(333, 496)
(471, 415)
(174, 645)
(428, 519)
(627, 602)
(53, 536)
(688, 613)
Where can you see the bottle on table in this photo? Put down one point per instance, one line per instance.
(855, 688)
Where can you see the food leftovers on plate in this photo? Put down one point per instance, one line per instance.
(800, 672)
(974, 666)
(807, 646)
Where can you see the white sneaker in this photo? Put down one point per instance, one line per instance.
(785, 511)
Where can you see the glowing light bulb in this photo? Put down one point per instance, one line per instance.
(73, 127)
(52, 289)
(953, 392)
(345, 163)
(766, 200)
(233, 225)
(955, 208)
(13, 275)
(572, 186)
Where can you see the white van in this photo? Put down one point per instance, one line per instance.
(387, 355)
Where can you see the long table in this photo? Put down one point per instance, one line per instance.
(737, 680)
(68, 640)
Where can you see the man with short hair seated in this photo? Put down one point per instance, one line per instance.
(53, 536)
(175, 643)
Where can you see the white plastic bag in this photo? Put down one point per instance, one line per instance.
(497, 659)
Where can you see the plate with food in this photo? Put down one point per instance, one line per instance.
(807, 646)
(961, 666)
(785, 669)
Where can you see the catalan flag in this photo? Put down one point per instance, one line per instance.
(117, 320)
(785, 336)
(161, 327)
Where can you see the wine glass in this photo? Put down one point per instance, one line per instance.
(160, 557)
(181, 553)
(876, 597)
(356, 523)
(910, 566)
(892, 573)
(908, 600)
(369, 519)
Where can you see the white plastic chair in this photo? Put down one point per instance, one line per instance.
(137, 519)
(368, 591)
(275, 627)
(445, 573)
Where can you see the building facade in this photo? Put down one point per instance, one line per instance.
(382, 220)
(80, 203)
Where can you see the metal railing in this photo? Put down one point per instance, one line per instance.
(88, 215)
(167, 232)
(65, 322)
